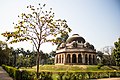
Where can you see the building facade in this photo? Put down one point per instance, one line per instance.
(75, 51)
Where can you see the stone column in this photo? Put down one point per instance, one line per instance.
(88, 59)
(70, 58)
(55, 59)
(76, 57)
(61, 58)
(95, 59)
(64, 59)
(58, 58)
(83, 58)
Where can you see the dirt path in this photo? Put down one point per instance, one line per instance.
(4, 75)
(107, 79)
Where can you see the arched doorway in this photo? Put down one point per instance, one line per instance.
(86, 59)
(79, 58)
(90, 62)
(93, 59)
(59, 58)
(73, 58)
(68, 58)
(62, 58)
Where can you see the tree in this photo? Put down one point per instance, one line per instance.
(116, 52)
(100, 55)
(38, 26)
(108, 50)
(52, 54)
(4, 53)
(61, 39)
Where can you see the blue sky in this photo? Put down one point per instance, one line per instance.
(98, 21)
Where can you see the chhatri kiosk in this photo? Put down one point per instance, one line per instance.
(75, 51)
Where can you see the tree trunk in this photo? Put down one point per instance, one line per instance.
(38, 61)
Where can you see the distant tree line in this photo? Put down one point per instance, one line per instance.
(23, 58)
(110, 55)
(4, 53)
(20, 58)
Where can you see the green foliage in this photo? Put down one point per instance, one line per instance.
(82, 75)
(60, 75)
(116, 52)
(19, 74)
(21, 58)
(100, 56)
(99, 66)
(4, 53)
(45, 76)
(10, 70)
(38, 26)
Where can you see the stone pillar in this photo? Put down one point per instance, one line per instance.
(55, 59)
(61, 58)
(83, 58)
(64, 58)
(58, 58)
(88, 59)
(95, 59)
(70, 58)
(76, 57)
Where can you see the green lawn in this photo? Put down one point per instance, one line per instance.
(70, 68)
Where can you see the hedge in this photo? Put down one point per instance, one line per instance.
(16, 74)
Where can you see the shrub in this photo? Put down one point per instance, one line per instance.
(16, 74)
(99, 66)
(45, 76)
(19, 75)
(60, 75)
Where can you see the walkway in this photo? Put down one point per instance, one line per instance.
(4, 75)
(109, 79)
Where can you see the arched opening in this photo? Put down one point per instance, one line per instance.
(73, 58)
(62, 58)
(79, 58)
(86, 59)
(68, 58)
(90, 62)
(59, 58)
(93, 59)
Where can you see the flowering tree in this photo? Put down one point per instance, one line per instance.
(38, 26)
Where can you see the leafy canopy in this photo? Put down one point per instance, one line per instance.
(39, 26)
(116, 51)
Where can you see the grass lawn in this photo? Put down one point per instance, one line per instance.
(71, 68)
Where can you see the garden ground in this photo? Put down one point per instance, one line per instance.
(61, 68)
(72, 68)
(75, 68)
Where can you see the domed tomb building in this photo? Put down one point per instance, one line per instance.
(75, 51)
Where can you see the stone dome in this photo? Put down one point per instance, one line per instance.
(76, 37)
